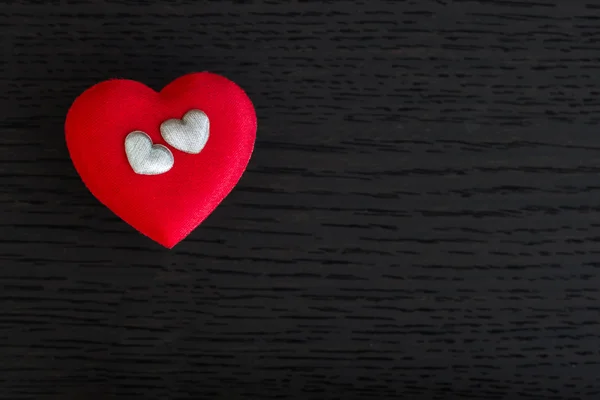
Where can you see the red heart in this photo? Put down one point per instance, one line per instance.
(165, 207)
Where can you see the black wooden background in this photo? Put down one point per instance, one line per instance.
(420, 219)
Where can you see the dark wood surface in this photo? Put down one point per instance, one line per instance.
(420, 219)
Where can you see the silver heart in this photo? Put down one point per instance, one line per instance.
(188, 134)
(146, 158)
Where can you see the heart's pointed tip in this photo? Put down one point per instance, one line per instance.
(167, 243)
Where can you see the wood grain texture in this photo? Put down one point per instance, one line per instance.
(420, 219)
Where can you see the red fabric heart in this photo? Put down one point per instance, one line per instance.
(165, 207)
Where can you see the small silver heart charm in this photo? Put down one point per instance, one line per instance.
(188, 134)
(146, 158)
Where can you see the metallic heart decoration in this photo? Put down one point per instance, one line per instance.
(188, 134)
(146, 158)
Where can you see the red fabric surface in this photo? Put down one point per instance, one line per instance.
(169, 206)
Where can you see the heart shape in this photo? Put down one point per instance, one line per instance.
(165, 207)
(146, 158)
(188, 134)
